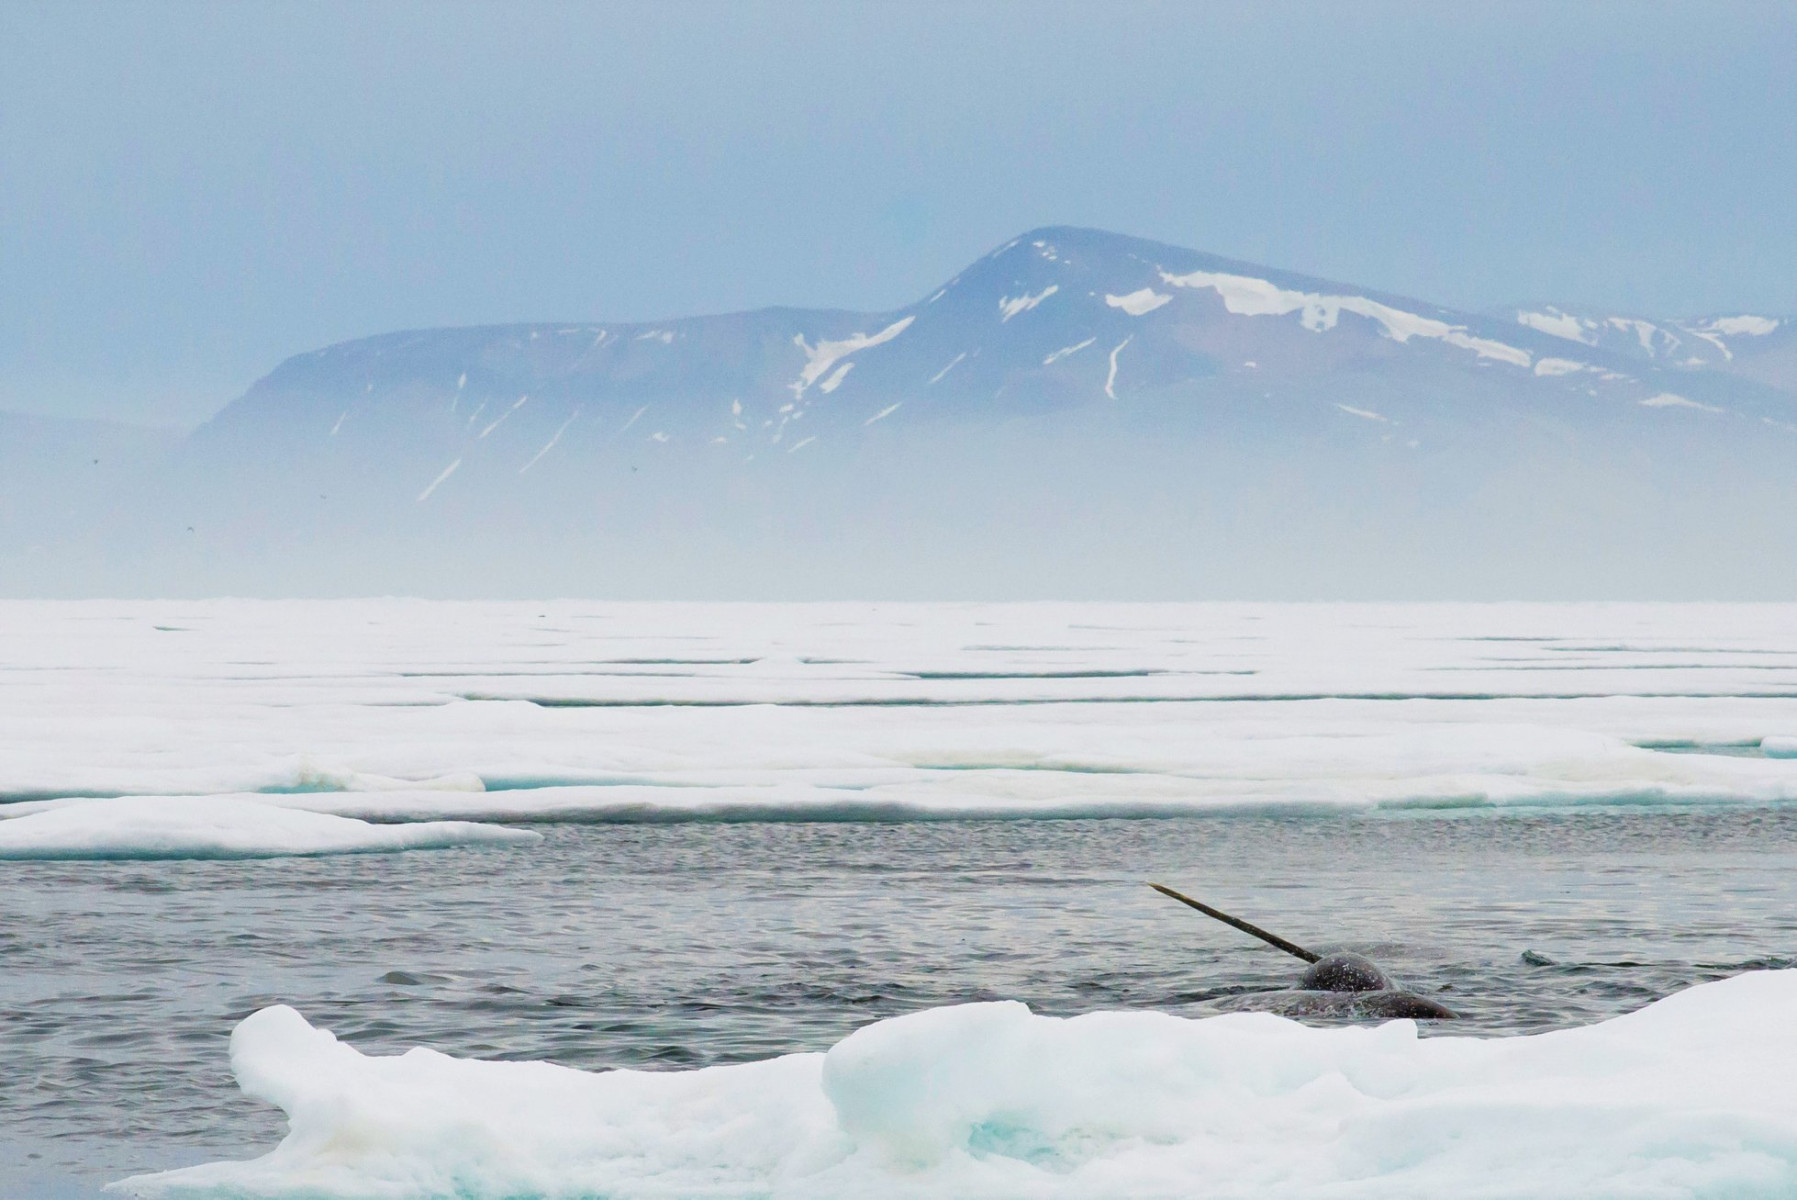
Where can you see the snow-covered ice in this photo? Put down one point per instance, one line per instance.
(1691, 1096)
(220, 827)
(413, 710)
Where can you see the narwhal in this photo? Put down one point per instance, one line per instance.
(1335, 985)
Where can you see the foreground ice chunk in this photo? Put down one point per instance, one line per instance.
(219, 827)
(1694, 1095)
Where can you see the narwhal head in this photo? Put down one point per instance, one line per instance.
(1344, 972)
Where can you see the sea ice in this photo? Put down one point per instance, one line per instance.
(220, 827)
(409, 710)
(1692, 1096)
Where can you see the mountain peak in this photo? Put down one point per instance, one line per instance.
(1063, 354)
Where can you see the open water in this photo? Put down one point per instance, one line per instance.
(678, 945)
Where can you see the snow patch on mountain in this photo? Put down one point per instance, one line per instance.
(447, 472)
(1645, 332)
(821, 357)
(1110, 380)
(937, 377)
(1138, 303)
(1247, 296)
(550, 445)
(1559, 324)
(516, 405)
(1747, 326)
(836, 377)
(1009, 307)
(1669, 400)
(1067, 352)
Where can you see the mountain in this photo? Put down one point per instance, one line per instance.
(1762, 349)
(1077, 413)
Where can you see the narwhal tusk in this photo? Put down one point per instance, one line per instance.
(1271, 939)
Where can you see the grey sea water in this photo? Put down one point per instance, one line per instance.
(672, 946)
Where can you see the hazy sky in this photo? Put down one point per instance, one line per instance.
(191, 192)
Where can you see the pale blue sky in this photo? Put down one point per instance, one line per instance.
(190, 192)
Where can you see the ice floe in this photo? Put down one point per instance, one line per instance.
(219, 827)
(1690, 1096)
(410, 710)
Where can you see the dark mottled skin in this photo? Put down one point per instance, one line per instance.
(1347, 985)
(1344, 972)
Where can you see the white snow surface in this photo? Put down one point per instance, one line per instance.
(1110, 378)
(1559, 324)
(1138, 303)
(1559, 366)
(220, 827)
(1246, 296)
(413, 710)
(1691, 1096)
(1010, 306)
(1747, 326)
(550, 444)
(937, 377)
(432, 486)
(1067, 351)
(821, 357)
(1670, 400)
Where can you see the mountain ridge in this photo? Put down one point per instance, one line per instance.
(1174, 385)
